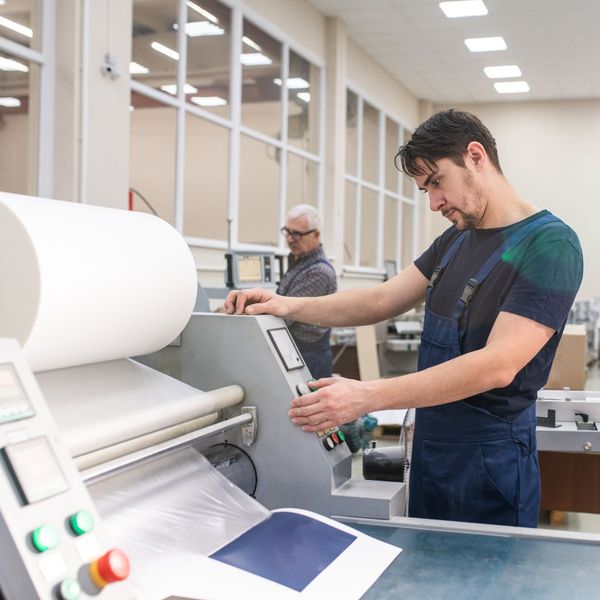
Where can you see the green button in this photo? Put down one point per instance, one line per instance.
(44, 538)
(82, 522)
(69, 590)
(341, 435)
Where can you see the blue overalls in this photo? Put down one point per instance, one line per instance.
(468, 464)
(317, 355)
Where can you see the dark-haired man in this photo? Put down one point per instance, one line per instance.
(498, 286)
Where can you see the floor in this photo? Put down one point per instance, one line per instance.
(584, 522)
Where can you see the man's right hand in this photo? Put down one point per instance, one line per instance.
(256, 301)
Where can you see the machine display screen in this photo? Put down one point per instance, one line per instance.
(286, 349)
(249, 269)
(14, 403)
(35, 469)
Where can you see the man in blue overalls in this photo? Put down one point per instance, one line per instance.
(498, 286)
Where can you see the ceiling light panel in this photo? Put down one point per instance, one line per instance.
(164, 50)
(485, 44)
(511, 87)
(255, 58)
(251, 43)
(137, 69)
(203, 12)
(202, 28)
(16, 27)
(294, 83)
(8, 64)
(10, 102)
(171, 88)
(209, 100)
(463, 8)
(502, 72)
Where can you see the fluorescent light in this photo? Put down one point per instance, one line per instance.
(16, 27)
(172, 89)
(502, 72)
(511, 87)
(202, 28)
(304, 96)
(10, 102)
(137, 69)
(255, 58)
(8, 64)
(166, 51)
(294, 83)
(463, 8)
(251, 43)
(203, 12)
(485, 44)
(209, 101)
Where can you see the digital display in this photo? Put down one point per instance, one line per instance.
(249, 269)
(286, 349)
(14, 403)
(35, 469)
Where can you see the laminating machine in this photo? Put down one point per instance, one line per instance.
(111, 467)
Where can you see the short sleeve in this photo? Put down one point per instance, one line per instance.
(427, 262)
(549, 272)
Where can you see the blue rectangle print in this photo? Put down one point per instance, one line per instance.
(287, 548)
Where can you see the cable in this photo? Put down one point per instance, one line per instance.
(141, 197)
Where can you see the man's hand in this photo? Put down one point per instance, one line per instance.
(255, 301)
(336, 401)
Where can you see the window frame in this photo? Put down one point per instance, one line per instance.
(237, 129)
(44, 119)
(380, 189)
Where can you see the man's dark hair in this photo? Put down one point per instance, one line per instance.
(446, 134)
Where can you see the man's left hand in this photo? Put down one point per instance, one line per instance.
(335, 401)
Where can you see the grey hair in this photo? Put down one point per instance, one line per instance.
(312, 215)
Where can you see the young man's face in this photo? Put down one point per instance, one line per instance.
(301, 244)
(455, 192)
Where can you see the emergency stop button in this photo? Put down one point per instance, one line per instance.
(110, 568)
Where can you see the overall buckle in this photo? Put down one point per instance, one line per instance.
(469, 291)
(435, 276)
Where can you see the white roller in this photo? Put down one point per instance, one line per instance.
(96, 406)
(82, 284)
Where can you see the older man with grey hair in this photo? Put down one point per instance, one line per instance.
(309, 274)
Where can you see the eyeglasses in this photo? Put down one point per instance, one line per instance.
(296, 235)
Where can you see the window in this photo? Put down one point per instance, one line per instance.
(379, 207)
(25, 84)
(226, 123)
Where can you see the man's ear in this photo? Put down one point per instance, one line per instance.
(476, 154)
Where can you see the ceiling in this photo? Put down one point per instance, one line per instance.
(554, 42)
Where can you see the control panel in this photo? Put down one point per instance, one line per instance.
(250, 269)
(51, 538)
(331, 437)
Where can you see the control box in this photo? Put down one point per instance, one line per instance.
(51, 538)
(250, 269)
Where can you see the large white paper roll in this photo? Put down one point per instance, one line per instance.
(82, 284)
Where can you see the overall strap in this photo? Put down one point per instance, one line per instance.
(441, 266)
(511, 242)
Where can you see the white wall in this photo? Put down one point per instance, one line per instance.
(550, 152)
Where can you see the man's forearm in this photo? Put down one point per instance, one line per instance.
(342, 309)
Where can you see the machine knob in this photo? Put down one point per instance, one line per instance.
(109, 568)
(328, 443)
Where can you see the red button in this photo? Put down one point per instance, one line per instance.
(113, 566)
(335, 438)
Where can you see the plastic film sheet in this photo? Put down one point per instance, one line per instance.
(190, 533)
(82, 284)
